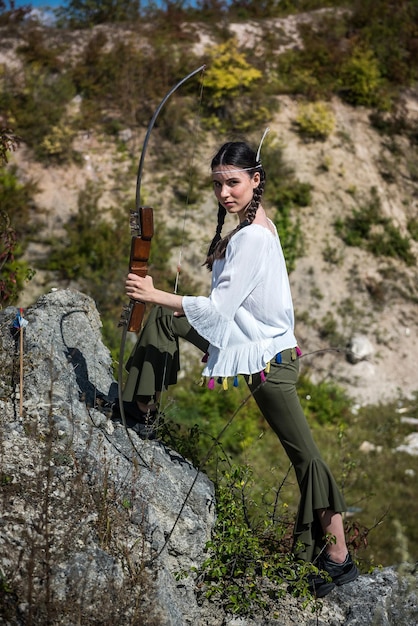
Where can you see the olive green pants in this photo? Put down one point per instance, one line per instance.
(154, 365)
(278, 401)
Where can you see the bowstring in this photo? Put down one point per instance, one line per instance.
(196, 128)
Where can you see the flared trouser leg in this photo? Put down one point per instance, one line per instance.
(155, 361)
(278, 401)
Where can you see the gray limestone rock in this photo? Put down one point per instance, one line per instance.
(97, 525)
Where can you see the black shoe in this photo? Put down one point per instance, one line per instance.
(144, 423)
(331, 574)
(341, 573)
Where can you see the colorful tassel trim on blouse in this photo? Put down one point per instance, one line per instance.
(295, 353)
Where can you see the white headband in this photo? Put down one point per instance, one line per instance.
(241, 169)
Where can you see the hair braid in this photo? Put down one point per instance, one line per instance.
(217, 238)
(255, 202)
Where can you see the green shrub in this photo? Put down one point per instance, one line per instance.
(36, 99)
(365, 54)
(332, 255)
(315, 120)
(212, 410)
(57, 144)
(360, 79)
(367, 228)
(38, 107)
(15, 272)
(231, 84)
(241, 553)
(290, 233)
(391, 243)
(16, 228)
(324, 402)
(95, 249)
(38, 51)
(85, 14)
(328, 329)
(384, 474)
(388, 28)
(119, 85)
(413, 228)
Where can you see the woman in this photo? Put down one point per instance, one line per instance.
(246, 326)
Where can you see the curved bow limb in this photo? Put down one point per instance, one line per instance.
(142, 231)
(151, 126)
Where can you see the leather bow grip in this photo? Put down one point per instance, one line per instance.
(138, 263)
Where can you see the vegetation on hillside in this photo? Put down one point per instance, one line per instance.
(118, 82)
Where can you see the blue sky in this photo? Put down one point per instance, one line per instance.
(38, 3)
(43, 3)
(53, 4)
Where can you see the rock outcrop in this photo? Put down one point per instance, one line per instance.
(97, 525)
(90, 522)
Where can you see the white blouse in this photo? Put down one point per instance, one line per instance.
(248, 317)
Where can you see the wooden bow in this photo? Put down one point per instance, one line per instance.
(142, 227)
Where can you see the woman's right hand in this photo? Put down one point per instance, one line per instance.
(138, 288)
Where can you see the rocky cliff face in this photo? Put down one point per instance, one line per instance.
(97, 523)
(89, 520)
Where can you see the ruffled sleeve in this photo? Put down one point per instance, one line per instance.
(213, 317)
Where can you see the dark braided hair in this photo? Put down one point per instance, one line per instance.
(240, 155)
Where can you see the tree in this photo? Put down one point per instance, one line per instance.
(87, 13)
(230, 85)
